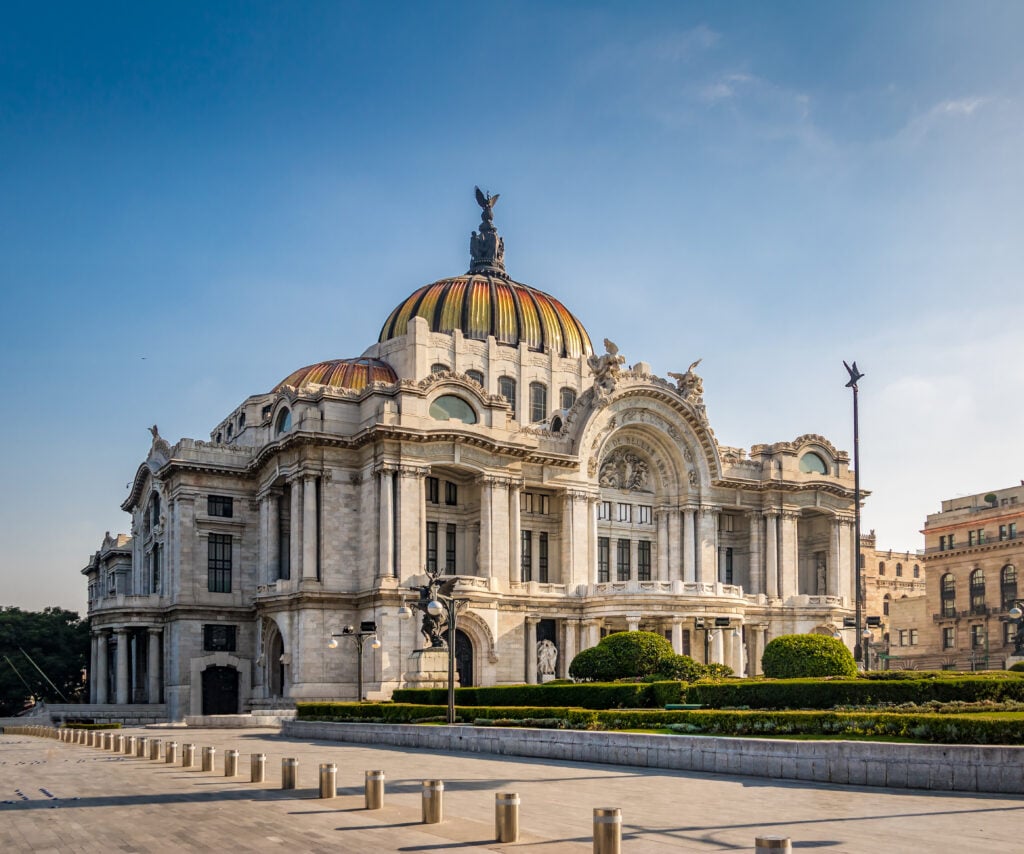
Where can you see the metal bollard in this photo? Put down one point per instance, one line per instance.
(209, 755)
(374, 790)
(772, 844)
(506, 816)
(289, 772)
(257, 767)
(171, 752)
(328, 780)
(91, 738)
(433, 801)
(154, 748)
(230, 763)
(118, 743)
(129, 745)
(108, 741)
(141, 747)
(188, 755)
(607, 830)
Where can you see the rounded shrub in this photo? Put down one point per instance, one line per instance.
(1018, 667)
(593, 665)
(680, 667)
(797, 656)
(622, 655)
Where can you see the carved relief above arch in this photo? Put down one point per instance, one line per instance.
(480, 633)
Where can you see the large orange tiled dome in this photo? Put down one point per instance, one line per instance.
(352, 374)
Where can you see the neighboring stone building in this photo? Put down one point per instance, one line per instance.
(888, 576)
(572, 496)
(972, 555)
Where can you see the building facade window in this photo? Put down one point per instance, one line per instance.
(220, 505)
(476, 376)
(728, 565)
(977, 637)
(899, 570)
(220, 638)
(949, 638)
(1009, 634)
(538, 402)
(542, 557)
(881, 567)
(451, 493)
(603, 559)
(903, 637)
(917, 571)
(1008, 586)
(947, 588)
(567, 398)
(622, 564)
(978, 592)
(604, 511)
(643, 560)
(534, 502)
(154, 565)
(645, 514)
(433, 490)
(507, 389)
(913, 637)
(449, 549)
(432, 546)
(438, 368)
(885, 605)
(218, 567)
(526, 555)
(625, 512)
(284, 421)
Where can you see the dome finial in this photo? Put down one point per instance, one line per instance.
(486, 247)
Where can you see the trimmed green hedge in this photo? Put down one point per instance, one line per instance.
(944, 729)
(829, 693)
(589, 695)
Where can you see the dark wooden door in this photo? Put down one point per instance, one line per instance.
(220, 691)
(463, 658)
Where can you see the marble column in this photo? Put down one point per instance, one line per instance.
(273, 500)
(386, 503)
(663, 544)
(514, 534)
(771, 554)
(486, 520)
(718, 646)
(262, 559)
(677, 635)
(310, 530)
(708, 536)
(675, 541)
(736, 662)
(121, 687)
(755, 580)
(689, 545)
(153, 666)
(788, 560)
(92, 668)
(531, 650)
(633, 622)
(295, 534)
(568, 651)
(101, 667)
(592, 539)
(591, 634)
(833, 574)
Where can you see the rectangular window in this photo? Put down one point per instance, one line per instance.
(1002, 532)
(728, 565)
(451, 493)
(913, 637)
(433, 490)
(507, 389)
(981, 536)
(449, 549)
(542, 557)
(643, 560)
(728, 523)
(625, 512)
(1012, 530)
(543, 504)
(949, 638)
(903, 637)
(526, 555)
(645, 514)
(154, 558)
(970, 538)
(219, 638)
(432, 546)
(538, 402)
(218, 573)
(977, 637)
(532, 502)
(526, 502)
(942, 543)
(622, 566)
(604, 511)
(952, 541)
(603, 560)
(220, 505)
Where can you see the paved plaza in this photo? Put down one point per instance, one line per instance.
(66, 797)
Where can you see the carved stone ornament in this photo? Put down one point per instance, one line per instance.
(606, 369)
(624, 470)
(689, 385)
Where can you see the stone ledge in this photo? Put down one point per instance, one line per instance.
(963, 768)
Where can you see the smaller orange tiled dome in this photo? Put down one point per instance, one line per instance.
(351, 374)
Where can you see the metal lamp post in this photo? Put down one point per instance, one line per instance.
(437, 600)
(1016, 615)
(365, 631)
(856, 375)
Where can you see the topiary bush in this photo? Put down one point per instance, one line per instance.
(1017, 668)
(595, 664)
(622, 655)
(680, 667)
(799, 656)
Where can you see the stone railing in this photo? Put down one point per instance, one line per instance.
(664, 588)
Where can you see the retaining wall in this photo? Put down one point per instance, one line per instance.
(961, 768)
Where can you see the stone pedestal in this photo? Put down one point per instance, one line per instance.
(428, 668)
(547, 677)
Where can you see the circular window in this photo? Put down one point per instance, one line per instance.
(452, 408)
(811, 463)
(284, 421)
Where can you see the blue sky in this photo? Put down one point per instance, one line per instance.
(199, 198)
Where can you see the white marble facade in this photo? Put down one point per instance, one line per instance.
(571, 494)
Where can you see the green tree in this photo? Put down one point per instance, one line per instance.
(57, 641)
(800, 656)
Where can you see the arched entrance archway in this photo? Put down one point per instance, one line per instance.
(220, 691)
(464, 658)
(275, 667)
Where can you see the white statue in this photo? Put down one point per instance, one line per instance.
(547, 657)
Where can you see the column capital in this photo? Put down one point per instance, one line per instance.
(710, 510)
(790, 514)
(155, 630)
(771, 512)
(578, 495)
(591, 621)
(532, 619)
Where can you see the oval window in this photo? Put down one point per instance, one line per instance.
(811, 463)
(284, 421)
(452, 408)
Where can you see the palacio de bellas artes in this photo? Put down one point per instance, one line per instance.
(484, 436)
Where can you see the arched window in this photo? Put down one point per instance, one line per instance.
(947, 588)
(476, 376)
(885, 605)
(241, 421)
(917, 571)
(811, 463)
(284, 421)
(978, 592)
(438, 368)
(448, 407)
(567, 398)
(1008, 586)
(507, 389)
(231, 431)
(153, 512)
(881, 567)
(538, 402)
(899, 570)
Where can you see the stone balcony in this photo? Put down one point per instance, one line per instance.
(121, 602)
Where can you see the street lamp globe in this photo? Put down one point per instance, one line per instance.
(1015, 613)
(332, 643)
(405, 612)
(375, 643)
(435, 608)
